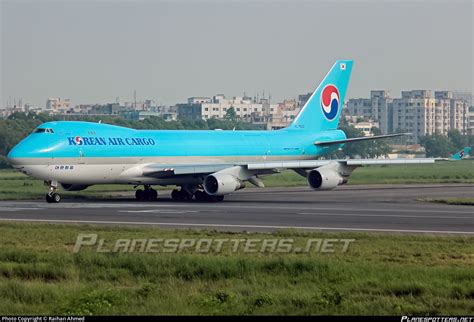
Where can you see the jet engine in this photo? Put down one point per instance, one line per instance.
(219, 184)
(73, 187)
(324, 179)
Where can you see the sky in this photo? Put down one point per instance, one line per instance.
(96, 51)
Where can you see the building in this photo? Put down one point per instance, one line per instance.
(458, 110)
(83, 108)
(377, 108)
(284, 114)
(303, 98)
(415, 113)
(471, 121)
(4, 113)
(465, 96)
(106, 109)
(30, 108)
(197, 100)
(469, 99)
(418, 112)
(139, 106)
(57, 105)
(382, 110)
(168, 113)
(246, 108)
(421, 113)
(365, 125)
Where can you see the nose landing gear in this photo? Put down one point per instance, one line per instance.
(52, 196)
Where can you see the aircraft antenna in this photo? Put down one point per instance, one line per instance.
(135, 99)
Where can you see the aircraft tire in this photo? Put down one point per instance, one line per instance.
(186, 196)
(181, 195)
(139, 195)
(153, 194)
(200, 195)
(175, 194)
(49, 199)
(56, 197)
(150, 194)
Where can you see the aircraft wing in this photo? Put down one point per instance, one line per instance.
(311, 164)
(168, 170)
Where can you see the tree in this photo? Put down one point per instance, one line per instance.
(379, 148)
(458, 141)
(437, 145)
(363, 149)
(353, 150)
(230, 114)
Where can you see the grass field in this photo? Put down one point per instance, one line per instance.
(379, 274)
(14, 185)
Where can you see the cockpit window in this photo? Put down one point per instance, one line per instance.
(42, 130)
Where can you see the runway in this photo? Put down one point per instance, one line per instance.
(384, 208)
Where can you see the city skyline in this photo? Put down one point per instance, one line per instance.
(255, 98)
(94, 52)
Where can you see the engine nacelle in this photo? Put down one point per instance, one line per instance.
(73, 187)
(324, 179)
(219, 184)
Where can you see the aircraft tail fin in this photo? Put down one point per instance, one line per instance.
(461, 154)
(323, 109)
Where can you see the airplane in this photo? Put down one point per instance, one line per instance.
(461, 154)
(205, 164)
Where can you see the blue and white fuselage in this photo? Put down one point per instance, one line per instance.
(93, 153)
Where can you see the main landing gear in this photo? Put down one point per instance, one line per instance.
(148, 194)
(185, 194)
(181, 195)
(52, 196)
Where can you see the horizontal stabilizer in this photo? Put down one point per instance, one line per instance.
(364, 138)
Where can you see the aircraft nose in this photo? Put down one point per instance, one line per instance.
(24, 149)
(33, 146)
(14, 154)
